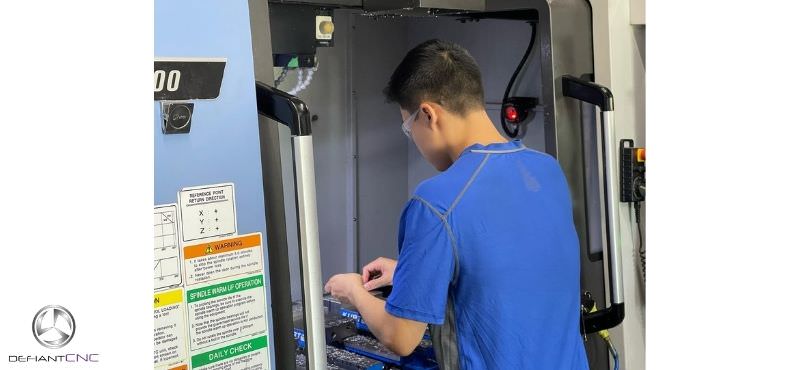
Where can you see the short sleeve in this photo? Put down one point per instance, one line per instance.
(425, 267)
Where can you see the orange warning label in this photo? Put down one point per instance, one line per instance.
(222, 246)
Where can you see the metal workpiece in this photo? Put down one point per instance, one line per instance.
(372, 347)
(300, 363)
(310, 266)
(340, 358)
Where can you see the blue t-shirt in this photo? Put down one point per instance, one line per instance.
(490, 256)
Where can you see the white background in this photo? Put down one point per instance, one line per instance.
(722, 128)
(76, 177)
(723, 251)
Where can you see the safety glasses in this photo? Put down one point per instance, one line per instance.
(407, 123)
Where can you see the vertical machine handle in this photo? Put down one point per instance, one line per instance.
(601, 96)
(293, 112)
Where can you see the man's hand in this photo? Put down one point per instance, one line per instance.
(343, 286)
(382, 272)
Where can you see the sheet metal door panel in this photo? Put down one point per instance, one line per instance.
(223, 145)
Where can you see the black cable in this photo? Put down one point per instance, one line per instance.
(513, 133)
(282, 76)
(642, 252)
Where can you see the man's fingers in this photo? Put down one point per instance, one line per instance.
(379, 266)
(375, 284)
(371, 285)
(369, 269)
(365, 274)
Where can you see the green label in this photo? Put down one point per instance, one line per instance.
(227, 352)
(229, 287)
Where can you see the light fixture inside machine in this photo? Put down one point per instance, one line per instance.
(511, 113)
(516, 110)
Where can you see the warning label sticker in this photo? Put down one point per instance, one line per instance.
(169, 334)
(226, 311)
(222, 259)
(250, 354)
(207, 211)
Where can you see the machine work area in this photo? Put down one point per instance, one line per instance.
(282, 170)
(351, 345)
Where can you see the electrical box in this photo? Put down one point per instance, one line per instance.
(297, 30)
(632, 168)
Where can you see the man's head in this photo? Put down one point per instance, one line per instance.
(441, 83)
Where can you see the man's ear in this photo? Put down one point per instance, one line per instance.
(431, 115)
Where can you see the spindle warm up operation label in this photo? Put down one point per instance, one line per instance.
(230, 310)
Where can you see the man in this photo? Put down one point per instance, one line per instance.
(488, 249)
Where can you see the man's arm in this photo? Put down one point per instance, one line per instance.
(400, 335)
(421, 284)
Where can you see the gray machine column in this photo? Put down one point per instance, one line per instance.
(282, 342)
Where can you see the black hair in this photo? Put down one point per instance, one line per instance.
(438, 71)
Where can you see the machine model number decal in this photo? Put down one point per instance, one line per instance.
(163, 80)
(177, 79)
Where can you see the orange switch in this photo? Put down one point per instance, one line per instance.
(640, 155)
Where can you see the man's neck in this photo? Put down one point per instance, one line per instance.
(479, 130)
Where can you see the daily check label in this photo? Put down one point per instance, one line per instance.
(249, 354)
